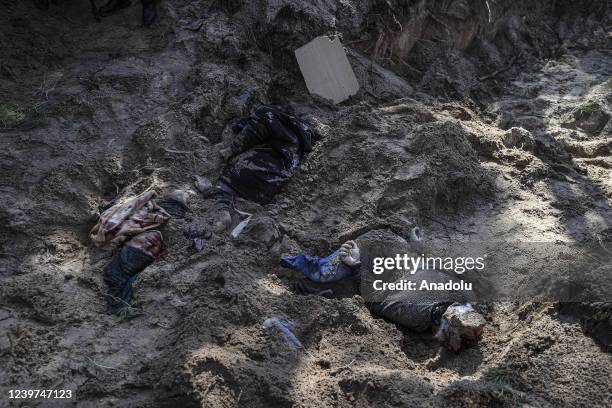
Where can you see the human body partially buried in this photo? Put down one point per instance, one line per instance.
(448, 313)
(265, 151)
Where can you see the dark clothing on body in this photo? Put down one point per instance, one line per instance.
(417, 310)
(121, 273)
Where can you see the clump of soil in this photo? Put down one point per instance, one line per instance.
(474, 121)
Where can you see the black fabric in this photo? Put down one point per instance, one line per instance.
(405, 309)
(121, 274)
(266, 152)
(222, 199)
(173, 207)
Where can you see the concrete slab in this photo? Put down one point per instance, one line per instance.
(326, 69)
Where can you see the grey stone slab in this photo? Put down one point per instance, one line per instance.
(326, 69)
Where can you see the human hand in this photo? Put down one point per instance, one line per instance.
(349, 253)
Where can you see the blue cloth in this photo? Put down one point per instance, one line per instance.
(317, 269)
(285, 326)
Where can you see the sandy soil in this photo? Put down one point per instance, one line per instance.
(89, 111)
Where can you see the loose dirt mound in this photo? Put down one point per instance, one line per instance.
(476, 120)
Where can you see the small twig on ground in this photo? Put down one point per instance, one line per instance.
(426, 40)
(410, 67)
(356, 41)
(100, 365)
(177, 151)
(140, 312)
(10, 313)
(122, 301)
(11, 344)
(48, 85)
(71, 21)
(210, 387)
(602, 244)
(162, 325)
(448, 226)
(442, 23)
(344, 367)
(238, 399)
(38, 105)
(499, 71)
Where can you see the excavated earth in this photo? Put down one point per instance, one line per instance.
(476, 120)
